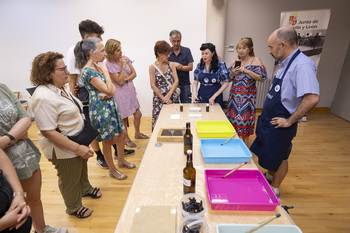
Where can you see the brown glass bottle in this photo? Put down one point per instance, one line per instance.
(188, 138)
(189, 175)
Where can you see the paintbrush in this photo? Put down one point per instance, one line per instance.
(233, 170)
(228, 139)
(263, 223)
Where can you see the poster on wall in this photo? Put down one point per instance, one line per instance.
(311, 27)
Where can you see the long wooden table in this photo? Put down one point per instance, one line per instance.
(159, 178)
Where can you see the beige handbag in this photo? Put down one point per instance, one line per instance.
(177, 90)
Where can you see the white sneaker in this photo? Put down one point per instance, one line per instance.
(49, 229)
(277, 192)
(268, 177)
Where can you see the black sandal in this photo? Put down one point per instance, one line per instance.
(81, 212)
(94, 193)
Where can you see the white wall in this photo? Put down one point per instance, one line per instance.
(257, 19)
(32, 27)
(342, 97)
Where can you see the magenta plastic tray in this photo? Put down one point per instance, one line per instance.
(241, 190)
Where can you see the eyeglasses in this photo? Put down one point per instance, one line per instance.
(62, 68)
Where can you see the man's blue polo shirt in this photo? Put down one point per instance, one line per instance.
(184, 58)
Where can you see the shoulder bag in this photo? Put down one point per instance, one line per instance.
(87, 135)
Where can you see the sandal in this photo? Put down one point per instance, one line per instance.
(81, 212)
(120, 177)
(127, 165)
(93, 193)
(141, 136)
(130, 144)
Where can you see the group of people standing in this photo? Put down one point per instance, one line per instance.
(98, 94)
(211, 78)
(102, 94)
(105, 93)
(284, 106)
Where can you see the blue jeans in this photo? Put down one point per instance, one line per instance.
(186, 94)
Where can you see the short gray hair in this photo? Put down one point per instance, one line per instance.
(82, 50)
(175, 33)
(286, 34)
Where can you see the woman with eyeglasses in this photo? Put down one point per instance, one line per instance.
(103, 110)
(56, 109)
(245, 72)
(212, 75)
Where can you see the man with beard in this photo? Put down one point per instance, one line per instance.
(294, 92)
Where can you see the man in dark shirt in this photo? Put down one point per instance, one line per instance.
(184, 64)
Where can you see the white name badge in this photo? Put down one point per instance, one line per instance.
(277, 88)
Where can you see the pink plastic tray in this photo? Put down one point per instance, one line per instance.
(242, 190)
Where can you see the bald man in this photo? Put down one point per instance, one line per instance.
(294, 92)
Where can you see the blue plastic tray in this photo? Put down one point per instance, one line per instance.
(243, 228)
(234, 151)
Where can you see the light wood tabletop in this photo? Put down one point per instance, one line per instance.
(159, 179)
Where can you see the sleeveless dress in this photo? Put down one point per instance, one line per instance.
(164, 87)
(104, 114)
(242, 101)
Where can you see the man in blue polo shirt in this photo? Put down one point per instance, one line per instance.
(294, 92)
(184, 64)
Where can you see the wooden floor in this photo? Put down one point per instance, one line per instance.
(317, 185)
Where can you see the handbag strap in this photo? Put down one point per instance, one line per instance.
(161, 73)
(81, 112)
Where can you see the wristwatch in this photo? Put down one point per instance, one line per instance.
(126, 81)
(12, 138)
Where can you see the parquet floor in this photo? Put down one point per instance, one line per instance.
(317, 185)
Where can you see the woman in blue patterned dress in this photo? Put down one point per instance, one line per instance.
(241, 102)
(212, 75)
(163, 79)
(103, 110)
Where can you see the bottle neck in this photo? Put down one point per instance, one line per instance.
(188, 128)
(189, 161)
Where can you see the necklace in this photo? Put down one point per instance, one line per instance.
(57, 90)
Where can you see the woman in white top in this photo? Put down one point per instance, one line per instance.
(54, 107)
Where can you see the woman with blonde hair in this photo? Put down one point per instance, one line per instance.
(122, 74)
(245, 72)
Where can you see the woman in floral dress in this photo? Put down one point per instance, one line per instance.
(103, 110)
(242, 99)
(163, 78)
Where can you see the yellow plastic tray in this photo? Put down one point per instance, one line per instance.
(215, 129)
